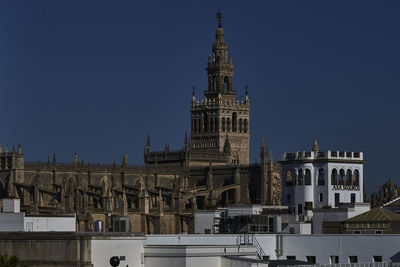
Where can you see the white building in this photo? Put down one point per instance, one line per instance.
(12, 220)
(316, 179)
(323, 249)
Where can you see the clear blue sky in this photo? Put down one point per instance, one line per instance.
(96, 76)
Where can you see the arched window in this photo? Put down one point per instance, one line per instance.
(245, 125)
(234, 121)
(193, 125)
(307, 178)
(212, 125)
(321, 176)
(349, 177)
(214, 80)
(223, 124)
(205, 122)
(228, 124)
(300, 177)
(240, 125)
(200, 128)
(334, 177)
(226, 84)
(342, 176)
(289, 178)
(356, 178)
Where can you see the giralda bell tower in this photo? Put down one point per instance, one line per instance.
(220, 122)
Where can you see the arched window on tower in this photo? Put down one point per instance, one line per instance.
(194, 125)
(245, 126)
(216, 124)
(349, 177)
(356, 178)
(321, 176)
(205, 122)
(300, 177)
(199, 126)
(228, 124)
(226, 84)
(342, 176)
(223, 124)
(240, 125)
(289, 178)
(334, 177)
(307, 178)
(234, 122)
(214, 83)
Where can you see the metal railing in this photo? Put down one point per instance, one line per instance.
(250, 240)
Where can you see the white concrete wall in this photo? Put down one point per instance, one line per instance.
(324, 246)
(11, 205)
(46, 224)
(345, 195)
(11, 222)
(131, 248)
(331, 215)
(321, 246)
(203, 261)
(204, 220)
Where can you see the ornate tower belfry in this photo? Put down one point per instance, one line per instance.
(220, 67)
(221, 115)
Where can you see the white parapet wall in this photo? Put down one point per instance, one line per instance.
(365, 247)
(197, 255)
(128, 248)
(50, 224)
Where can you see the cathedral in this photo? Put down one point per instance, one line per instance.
(211, 170)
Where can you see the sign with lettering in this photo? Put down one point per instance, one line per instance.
(346, 187)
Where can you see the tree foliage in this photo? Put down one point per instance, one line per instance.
(5, 261)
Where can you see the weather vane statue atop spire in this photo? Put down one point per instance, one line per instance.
(219, 18)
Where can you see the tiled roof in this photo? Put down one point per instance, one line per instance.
(375, 215)
(394, 203)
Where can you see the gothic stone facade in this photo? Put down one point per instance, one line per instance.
(211, 170)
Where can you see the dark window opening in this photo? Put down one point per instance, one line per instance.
(321, 176)
(337, 199)
(377, 258)
(311, 259)
(289, 178)
(299, 209)
(334, 259)
(353, 259)
(307, 179)
(226, 84)
(234, 122)
(334, 177)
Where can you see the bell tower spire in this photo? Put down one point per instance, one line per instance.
(221, 115)
(219, 67)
